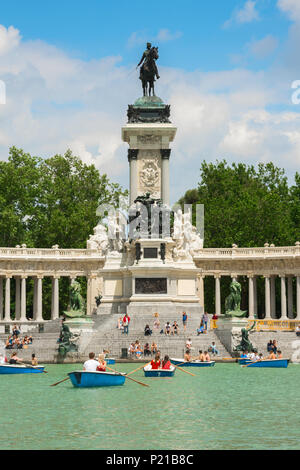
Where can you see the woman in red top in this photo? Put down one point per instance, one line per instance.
(155, 363)
(102, 363)
(166, 363)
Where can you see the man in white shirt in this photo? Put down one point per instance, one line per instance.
(91, 364)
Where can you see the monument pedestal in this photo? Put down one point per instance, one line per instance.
(229, 331)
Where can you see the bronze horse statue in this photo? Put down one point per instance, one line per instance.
(148, 72)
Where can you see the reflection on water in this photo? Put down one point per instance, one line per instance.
(225, 407)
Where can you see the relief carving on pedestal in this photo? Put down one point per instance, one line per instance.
(149, 174)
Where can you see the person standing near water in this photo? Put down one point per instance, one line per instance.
(184, 320)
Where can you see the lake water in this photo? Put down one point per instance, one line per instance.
(224, 407)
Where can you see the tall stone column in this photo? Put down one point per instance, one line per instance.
(267, 298)
(91, 293)
(218, 293)
(255, 295)
(251, 297)
(18, 298)
(7, 299)
(165, 177)
(283, 299)
(273, 296)
(200, 290)
(1, 298)
(39, 299)
(55, 298)
(290, 297)
(23, 299)
(298, 298)
(133, 174)
(34, 298)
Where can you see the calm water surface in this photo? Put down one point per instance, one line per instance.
(225, 407)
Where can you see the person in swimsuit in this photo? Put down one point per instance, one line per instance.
(187, 356)
(14, 359)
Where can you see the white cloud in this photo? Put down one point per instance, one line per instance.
(9, 39)
(263, 47)
(247, 14)
(291, 8)
(165, 35)
(141, 37)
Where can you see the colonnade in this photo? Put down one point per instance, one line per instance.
(20, 298)
(286, 295)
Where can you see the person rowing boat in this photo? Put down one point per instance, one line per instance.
(14, 359)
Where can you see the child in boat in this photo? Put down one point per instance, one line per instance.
(201, 356)
(102, 363)
(34, 361)
(279, 355)
(206, 357)
(155, 363)
(272, 355)
(166, 363)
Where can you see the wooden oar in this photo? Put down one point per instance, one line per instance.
(139, 368)
(53, 385)
(126, 376)
(254, 362)
(30, 367)
(180, 368)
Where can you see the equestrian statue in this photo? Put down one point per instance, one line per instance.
(148, 70)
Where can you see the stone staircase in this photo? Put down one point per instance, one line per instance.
(108, 336)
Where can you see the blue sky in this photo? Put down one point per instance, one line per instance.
(96, 28)
(226, 68)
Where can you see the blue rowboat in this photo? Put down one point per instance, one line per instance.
(184, 363)
(20, 369)
(110, 361)
(277, 363)
(96, 379)
(149, 372)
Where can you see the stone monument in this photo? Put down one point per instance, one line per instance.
(152, 271)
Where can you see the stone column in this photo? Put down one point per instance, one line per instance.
(218, 294)
(1, 298)
(200, 290)
(298, 298)
(39, 299)
(18, 298)
(273, 296)
(251, 297)
(90, 294)
(165, 178)
(55, 298)
(267, 298)
(290, 297)
(283, 299)
(34, 298)
(23, 299)
(7, 299)
(133, 172)
(255, 295)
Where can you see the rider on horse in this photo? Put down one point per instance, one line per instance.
(146, 57)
